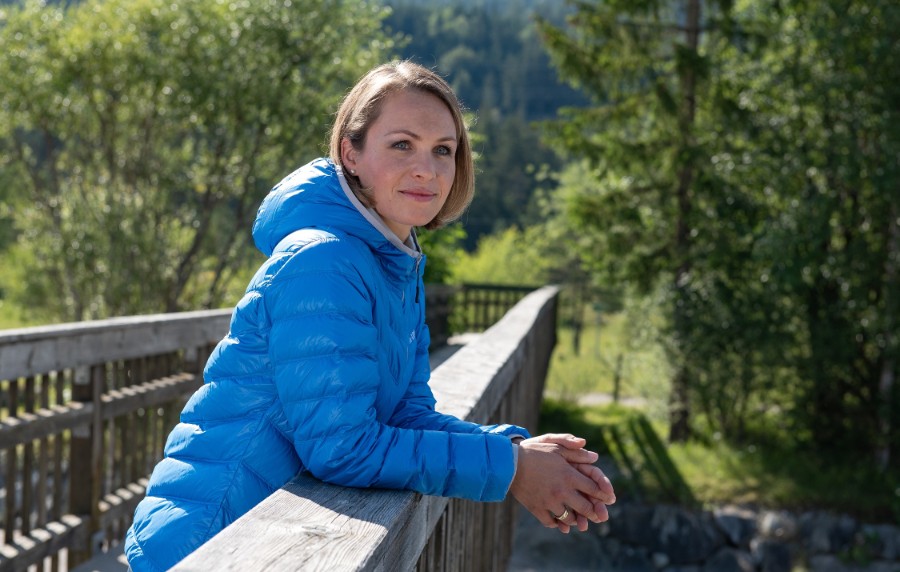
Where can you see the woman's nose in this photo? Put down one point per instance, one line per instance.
(424, 167)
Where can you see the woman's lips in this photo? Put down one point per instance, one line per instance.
(419, 195)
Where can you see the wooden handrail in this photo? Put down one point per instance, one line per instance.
(85, 409)
(311, 525)
(33, 351)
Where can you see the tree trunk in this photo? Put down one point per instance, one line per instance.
(888, 368)
(679, 399)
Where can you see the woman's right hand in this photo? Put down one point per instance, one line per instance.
(555, 475)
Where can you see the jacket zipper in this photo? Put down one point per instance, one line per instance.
(417, 277)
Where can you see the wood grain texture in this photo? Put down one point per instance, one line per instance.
(31, 351)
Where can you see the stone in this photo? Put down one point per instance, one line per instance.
(738, 525)
(825, 533)
(687, 537)
(827, 563)
(778, 524)
(883, 539)
(634, 561)
(631, 523)
(729, 560)
(771, 555)
(659, 559)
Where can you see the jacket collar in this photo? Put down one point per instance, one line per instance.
(317, 196)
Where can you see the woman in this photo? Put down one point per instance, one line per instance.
(325, 366)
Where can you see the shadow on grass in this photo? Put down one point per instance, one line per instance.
(625, 435)
(765, 471)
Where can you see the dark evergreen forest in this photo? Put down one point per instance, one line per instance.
(490, 52)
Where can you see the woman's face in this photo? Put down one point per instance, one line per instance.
(408, 159)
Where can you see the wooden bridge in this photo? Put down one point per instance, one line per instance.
(88, 407)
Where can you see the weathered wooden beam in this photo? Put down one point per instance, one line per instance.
(31, 351)
(311, 525)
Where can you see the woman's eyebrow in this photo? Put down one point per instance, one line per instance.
(417, 137)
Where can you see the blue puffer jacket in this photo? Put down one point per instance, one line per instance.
(324, 369)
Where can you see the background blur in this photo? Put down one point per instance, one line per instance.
(716, 184)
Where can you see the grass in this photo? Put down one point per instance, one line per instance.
(608, 346)
(769, 473)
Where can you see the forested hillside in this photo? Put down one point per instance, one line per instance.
(491, 54)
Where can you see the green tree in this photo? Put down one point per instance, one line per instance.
(825, 101)
(141, 135)
(650, 68)
(780, 258)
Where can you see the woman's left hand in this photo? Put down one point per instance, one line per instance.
(605, 494)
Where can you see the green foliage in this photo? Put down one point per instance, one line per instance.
(141, 134)
(646, 146)
(490, 54)
(442, 247)
(750, 176)
(511, 257)
(610, 346)
(820, 152)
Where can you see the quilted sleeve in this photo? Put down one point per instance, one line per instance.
(323, 348)
(417, 408)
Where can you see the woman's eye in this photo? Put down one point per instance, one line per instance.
(444, 150)
(401, 145)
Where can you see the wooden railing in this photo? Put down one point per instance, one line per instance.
(86, 409)
(481, 305)
(311, 525)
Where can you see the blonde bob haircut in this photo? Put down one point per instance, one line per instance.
(362, 106)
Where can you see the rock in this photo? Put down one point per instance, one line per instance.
(688, 537)
(771, 555)
(631, 523)
(729, 560)
(827, 563)
(738, 525)
(632, 561)
(824, 533)
(659, 559)
(883, 539)
(540, 549)
(778, 524)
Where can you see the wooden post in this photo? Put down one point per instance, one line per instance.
(85, 460)
(12, 458)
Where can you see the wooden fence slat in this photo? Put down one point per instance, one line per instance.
(27, 506)
(12, 461)
(46, 422)
(24, 551)
(43, 459)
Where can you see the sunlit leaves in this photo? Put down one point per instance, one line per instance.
(141, 134)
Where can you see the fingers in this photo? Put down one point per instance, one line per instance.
(581, 522)
(566, 440)
(567, 445)
(604, 491)
(548, 486)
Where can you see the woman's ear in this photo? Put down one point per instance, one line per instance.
(348, 155)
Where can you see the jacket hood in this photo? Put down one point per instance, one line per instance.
(317, 196)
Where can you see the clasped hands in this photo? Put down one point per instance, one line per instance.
(558, 483)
